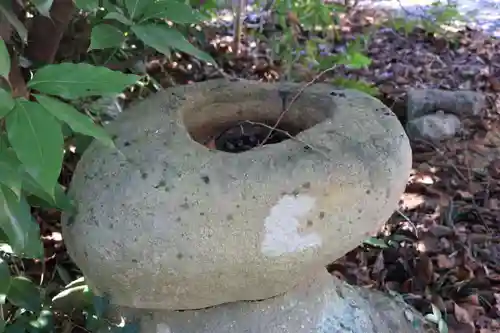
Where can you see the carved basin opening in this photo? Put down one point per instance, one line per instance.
(238, 123)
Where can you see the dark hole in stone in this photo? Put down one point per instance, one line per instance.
(333, 93)
(240, 122)
(245, 136)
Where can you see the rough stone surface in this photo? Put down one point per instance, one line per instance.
(165, 223)
(421, 102)
(434, 126)
(322, 305)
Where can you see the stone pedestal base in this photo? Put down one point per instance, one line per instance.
(322, 305)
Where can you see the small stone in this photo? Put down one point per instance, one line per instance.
(421, 102)
(437, 126)
(316, 306)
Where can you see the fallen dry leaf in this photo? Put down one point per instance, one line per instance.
(461, 322)
(443, 261)
(461, 314)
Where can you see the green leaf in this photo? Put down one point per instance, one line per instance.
(4, 280)
(82, 142)
(163, 38)
(4, 142)
(442, 326)
(106, 36)
(17, 223)
(66, 130)
(73, 81)
(432, 318)
(4, 243)
(356, 84)
(6, 102)
(119, 17)
(77, 297)
(135, 8)
(36, 137)
(10, 173)
(93, 323)
(24, 294)
(87, 5)
(39, 198)
(43, 6)
(76, 282)
(19, 325)
(171, 10)
(4, 60)
(43, 323)
(359, 60)
(43, 199)
(376, 242)
(78, 122)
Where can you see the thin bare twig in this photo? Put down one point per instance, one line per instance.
(294, 98)
(290, 136)
(407, 219)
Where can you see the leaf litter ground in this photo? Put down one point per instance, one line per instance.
(443, 248)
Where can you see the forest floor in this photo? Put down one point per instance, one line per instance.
(445, 248)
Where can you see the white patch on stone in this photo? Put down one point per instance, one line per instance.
(282, 225)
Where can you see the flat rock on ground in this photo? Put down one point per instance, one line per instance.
(321, 305)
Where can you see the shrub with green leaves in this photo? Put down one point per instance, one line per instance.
(34, 134)
(155, 23)
(32, 140)
(32, 147)
(435, 21)
(322, 22)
